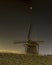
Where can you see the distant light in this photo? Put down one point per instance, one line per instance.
(30, 8)
(11, 51)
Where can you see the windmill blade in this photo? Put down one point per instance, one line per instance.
(20, 42)
(38, 41)
(29, 31)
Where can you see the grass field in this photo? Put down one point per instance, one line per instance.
(22, 59)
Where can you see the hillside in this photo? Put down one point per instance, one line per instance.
(22, 59)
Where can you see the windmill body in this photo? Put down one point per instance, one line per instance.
(31, 47)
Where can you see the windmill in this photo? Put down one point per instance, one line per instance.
(31, 47)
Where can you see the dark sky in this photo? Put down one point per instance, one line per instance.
(15, 16)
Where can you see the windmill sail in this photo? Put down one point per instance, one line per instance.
(19, 42)
(29, 31)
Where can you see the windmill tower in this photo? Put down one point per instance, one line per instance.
(31, 47)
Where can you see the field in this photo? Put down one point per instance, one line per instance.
(22, 59)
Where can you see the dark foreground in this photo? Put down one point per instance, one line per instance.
(22, 59)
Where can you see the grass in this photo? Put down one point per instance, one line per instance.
(22, 59)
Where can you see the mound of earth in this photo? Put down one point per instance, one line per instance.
(24, 59)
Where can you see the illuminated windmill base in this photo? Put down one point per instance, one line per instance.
(31, 47)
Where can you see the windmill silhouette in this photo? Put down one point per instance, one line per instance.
(31, 47)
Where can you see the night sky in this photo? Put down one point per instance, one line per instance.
(15, 16)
